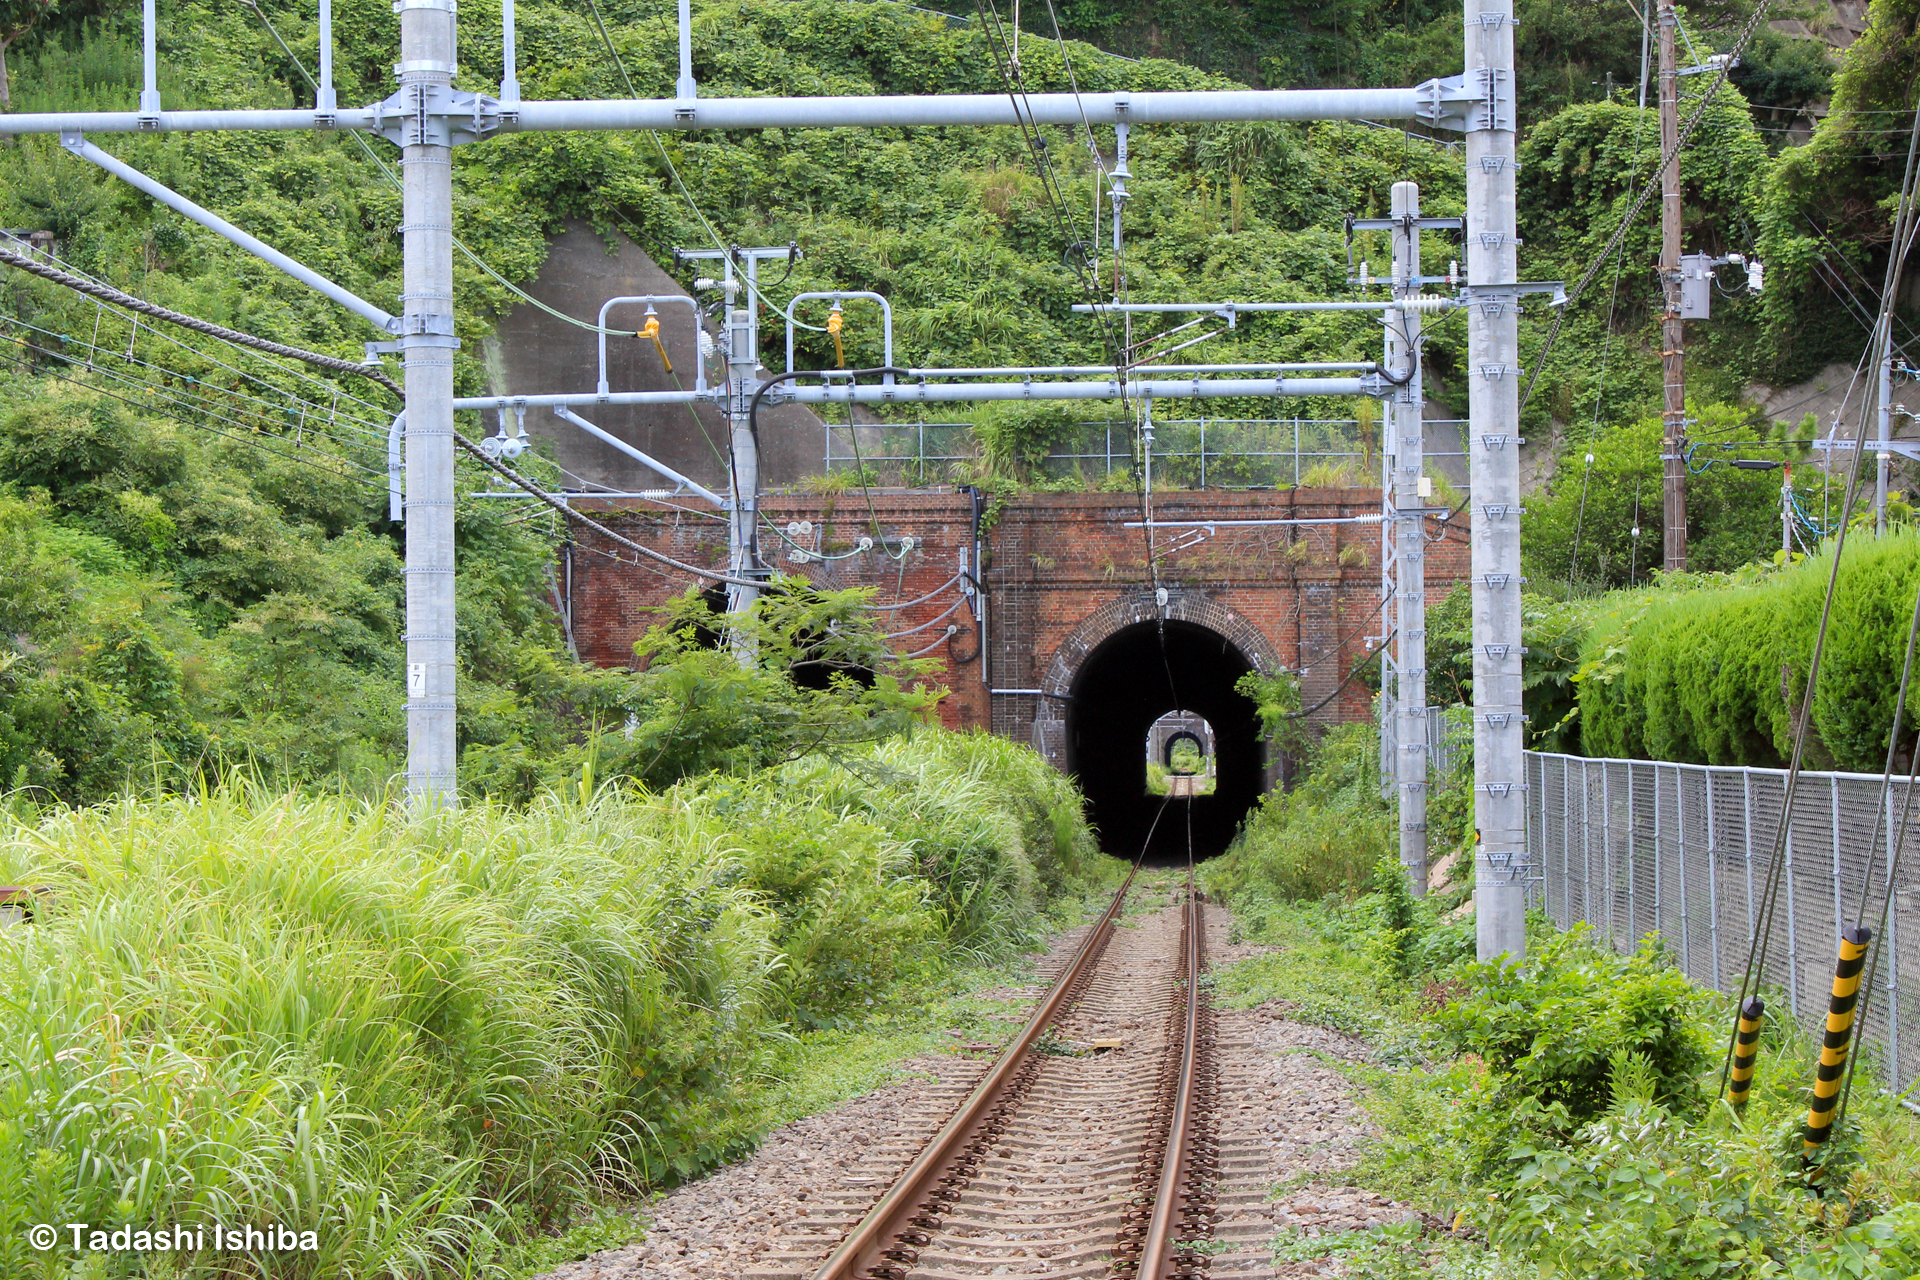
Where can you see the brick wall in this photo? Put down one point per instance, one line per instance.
(1063, 573)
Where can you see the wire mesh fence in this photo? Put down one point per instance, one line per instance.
(1638, 847)
(1449, 742)
(1194, 453)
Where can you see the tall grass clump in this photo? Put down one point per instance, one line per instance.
(424, 1038)
(1322, 837)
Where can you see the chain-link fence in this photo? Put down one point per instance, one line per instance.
(1196, 453)
(1634, 847)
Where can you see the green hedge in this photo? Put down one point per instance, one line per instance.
(1714, 673)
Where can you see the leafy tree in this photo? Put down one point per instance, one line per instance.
(1579, 528)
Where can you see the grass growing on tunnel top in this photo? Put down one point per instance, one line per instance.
(437, 1041)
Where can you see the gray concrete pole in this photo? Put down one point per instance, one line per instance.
(1408, 529)
(427, 341)
(742, 359)
(1493, 446)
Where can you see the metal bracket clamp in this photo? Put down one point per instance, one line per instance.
(1492, 299)
(1467, 103)
(1371, 384)
(1394, 224)
(435, 115)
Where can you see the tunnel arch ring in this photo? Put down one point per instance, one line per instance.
(1127, 610)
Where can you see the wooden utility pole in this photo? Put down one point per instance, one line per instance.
(1673, 435)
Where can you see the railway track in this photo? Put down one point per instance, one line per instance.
(1089, 1148)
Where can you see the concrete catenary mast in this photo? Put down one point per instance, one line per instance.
(1493, 381)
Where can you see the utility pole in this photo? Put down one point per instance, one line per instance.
(426, 117)
(1673, 433)
(742, 358)
(1493, 382)
(1883, 459)
(427, 346)
(1408, 520)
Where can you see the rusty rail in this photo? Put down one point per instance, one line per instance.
(887, 1240)
(1166, 1227)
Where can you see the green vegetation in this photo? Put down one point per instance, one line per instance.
(1580, 527)
(1713, 670)
(1559, 1114)
(435, 1041)
(212, 577)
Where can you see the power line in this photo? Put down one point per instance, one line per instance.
(28, 368)
(232, 337)
(1646, 193)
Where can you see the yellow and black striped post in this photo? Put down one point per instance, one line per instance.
(1746, 1047)
(1833, 1046)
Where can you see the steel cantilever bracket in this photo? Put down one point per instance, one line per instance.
(1481, 99)
(435, 115)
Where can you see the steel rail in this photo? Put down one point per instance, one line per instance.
(890, 1219)
(1156, 1252)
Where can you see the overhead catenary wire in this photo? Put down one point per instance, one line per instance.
(1903, 224)
(46, 257)
(108, 293)
(202, 388)
(249, 439)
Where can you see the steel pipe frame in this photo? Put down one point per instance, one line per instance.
(1228, 524)
(607, 437)
(1098, 370)
(76, 143)
(1434, 301)
(923, 393)
(886, 319)
(879, 111)
(699, 365)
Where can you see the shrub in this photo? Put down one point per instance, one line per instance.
(1550, 1028)
(1323, 837)
(1713, 669)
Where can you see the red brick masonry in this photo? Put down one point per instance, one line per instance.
(1063, 572)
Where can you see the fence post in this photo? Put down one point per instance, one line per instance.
(1296, 453)
(1713, 881)
(1793, 933)
(1606, 848)
(1633, 904)
(1203, 453)
(1586, 845)
(1659, 903)
(1746, 818)
(1680, 827)
(1839, 897)
(1566, 847)
(1891, 950)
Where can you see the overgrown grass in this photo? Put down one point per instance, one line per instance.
(1562, 1116)
(430, 1040)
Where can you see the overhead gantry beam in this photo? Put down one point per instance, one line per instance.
(471, 115)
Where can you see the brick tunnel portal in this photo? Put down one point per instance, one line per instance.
(1130, 680)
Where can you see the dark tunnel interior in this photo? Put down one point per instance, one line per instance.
(1133, 678)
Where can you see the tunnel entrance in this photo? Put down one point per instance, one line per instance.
(1123, 688)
